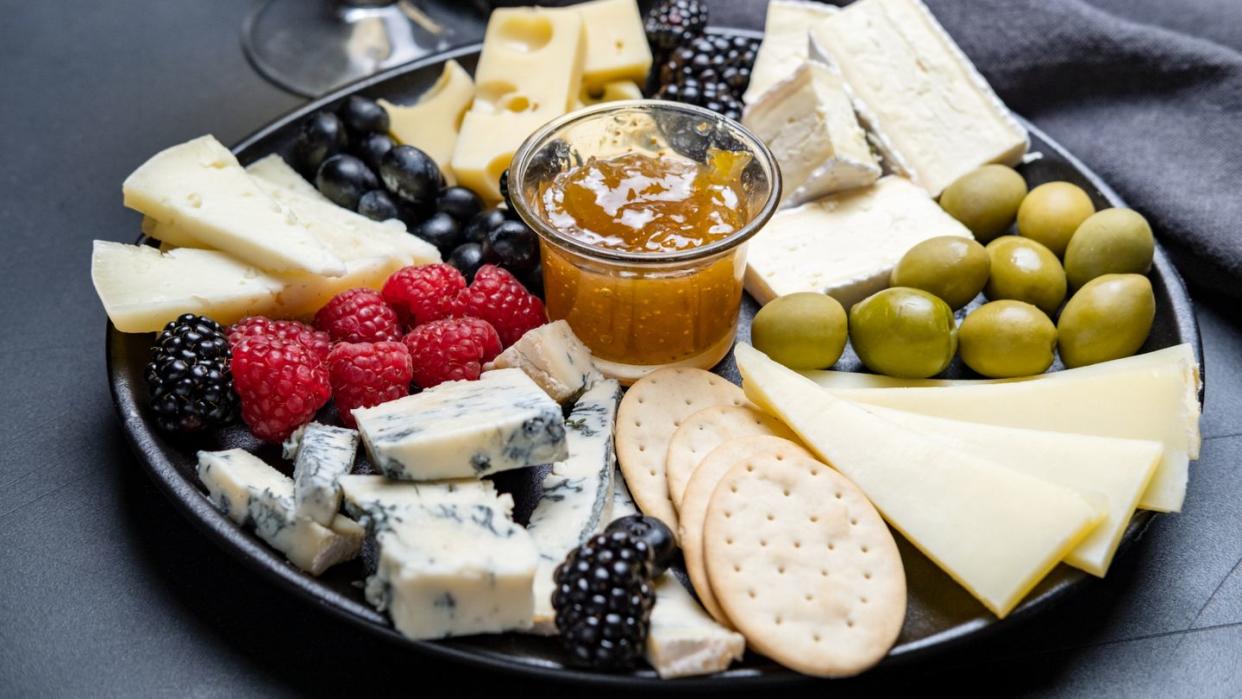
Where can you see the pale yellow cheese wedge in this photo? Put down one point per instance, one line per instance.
(616, 45)
(431, 125)
(996, 531)
(610, 92)
(1113, 473)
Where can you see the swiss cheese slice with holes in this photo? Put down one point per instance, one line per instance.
(699, 491)
(652, 410)
(804, 566)
(707, 429)
(994, 530)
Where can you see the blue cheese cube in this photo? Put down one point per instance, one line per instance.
(553, 357)
(252, 493)
(373, 495)
(576, 493)
(465, 429)
(324, 454)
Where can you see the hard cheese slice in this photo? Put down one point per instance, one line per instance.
(786, 43)
(142, 288)
(808, 123)
(199, 187)
(1158, 403)
(432, 123)
(844, 245)
(932, 115)
(575, 493)
(273, 170)
(1113, 473)
(996, 531)
(616, 45)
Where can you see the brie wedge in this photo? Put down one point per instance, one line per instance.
(786, 43)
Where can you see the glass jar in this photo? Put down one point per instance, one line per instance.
(642, 311)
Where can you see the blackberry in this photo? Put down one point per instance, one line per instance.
(657, 535)
(673, 22)
(188, 377)
(603, 599)
(709, 71)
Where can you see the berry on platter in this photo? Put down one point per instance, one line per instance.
(412, 176)
(442, 231)
(378, 205)
(317, 341)
(365, 374)
(483, 223)
(498, 297)
(362, 115)
(674, 22)
(603, 597)
(280, 383)
(653, 531)
(358, 315)
(344, 179)
(460, 203)
(421, 294)
(372, 147)
(453, 349)
(513, 245)
(467, 258)
(504, 189)
(320, 136)
(188, 377)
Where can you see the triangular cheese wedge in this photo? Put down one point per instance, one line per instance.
(1111, 472)
(997, 532)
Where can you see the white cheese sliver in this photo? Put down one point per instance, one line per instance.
(274, 170)
(786, 43)
(324, 454)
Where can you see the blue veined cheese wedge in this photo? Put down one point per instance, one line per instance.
(576, 493)
(251, 492)
(324, 454)
(465, 429)
(376, 496)
(683, 640)
(553, 357)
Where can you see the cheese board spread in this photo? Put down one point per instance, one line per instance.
(630, 351)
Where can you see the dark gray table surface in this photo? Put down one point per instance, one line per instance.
(106, 591)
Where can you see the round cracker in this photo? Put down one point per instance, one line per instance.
(699, 492)
(707, 429)
(651, 411)
(804, 566)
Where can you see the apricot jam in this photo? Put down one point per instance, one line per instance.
(647, 314)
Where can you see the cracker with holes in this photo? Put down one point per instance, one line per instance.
(699, 492)
(652, 410)
(707, 429)
(803, 565)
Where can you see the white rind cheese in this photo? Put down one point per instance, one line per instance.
(808, 123)
(324, 454)
(932, 115)
(553, 357)
(844, 245)
(465, 429)
(432, 123)
(199, 187)
(786, 43)
(249, 491)
(576, 493)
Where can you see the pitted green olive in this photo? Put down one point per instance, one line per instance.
(1108, 318)
(903, 332)
(1052, 212)
(951, 267)
(801, 331)
(1003, 339)
(1024, 270)
(985, 200)
(1112, 241)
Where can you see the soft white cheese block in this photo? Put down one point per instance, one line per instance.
(844, 245)
(142, 288)
(431, 124)
(683, 639)
(199, 187)
(553, 357)
(616, 45)
(575, 494)
(251, 492)
(465, 429)
(808, 123)
(324, 454)
(453, 569)
(786, 43)
(933, 116)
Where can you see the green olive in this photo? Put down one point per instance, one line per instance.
(903, 332)
(1108, 318)
(1112, 241)
(1003, 339)
(1052, 212)
(985, 200)
(801, 331)
(951, 267)
(1024, 270)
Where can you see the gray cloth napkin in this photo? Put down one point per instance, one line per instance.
(1149, 97)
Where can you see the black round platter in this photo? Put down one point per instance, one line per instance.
(940, 615)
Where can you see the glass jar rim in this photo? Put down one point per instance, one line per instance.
(524, 153)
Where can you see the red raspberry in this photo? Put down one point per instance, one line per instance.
(364, 374)
(453, 349)
(281, 385)
(499, 298)
(423, 294)
(314, 340)
(358, 315)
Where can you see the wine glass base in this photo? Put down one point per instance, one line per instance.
(311, 47)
